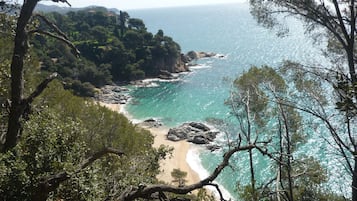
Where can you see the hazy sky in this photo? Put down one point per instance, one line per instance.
(138, 4)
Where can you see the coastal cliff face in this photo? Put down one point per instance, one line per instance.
(178, 64)
(110, 52)
(172, 65)
(114, 49)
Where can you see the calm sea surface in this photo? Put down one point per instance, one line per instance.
(199, 96)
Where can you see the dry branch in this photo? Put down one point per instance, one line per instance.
(76, 52)
(51, 183)
(52, 25)
(133, 193)
(39, 89)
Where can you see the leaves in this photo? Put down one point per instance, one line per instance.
(126, 49)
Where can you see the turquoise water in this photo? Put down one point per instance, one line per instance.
(225, 29)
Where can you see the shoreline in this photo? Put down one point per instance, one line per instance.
(178, 160)
(185, 155)
(179, 157)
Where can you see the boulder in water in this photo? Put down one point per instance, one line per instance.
(194, 132)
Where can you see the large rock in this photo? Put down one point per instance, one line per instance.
(199, 126)
(206, 54)
(193, 55)
(150, 123)
(194, 132)
(113, 94)
(199, 139)
(177, 134)
(166, 75)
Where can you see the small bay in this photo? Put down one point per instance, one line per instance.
(229, 30)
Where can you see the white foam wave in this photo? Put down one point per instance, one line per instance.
(200, 66)
(123, 111)
(154, 82)
(194, 161)
(220, 56)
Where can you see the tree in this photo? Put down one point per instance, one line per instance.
(337, 19)
(123, 18)
(136, 23)
(249, 104)
(258, 103)
(46, 149)
(179, 177)
(20, 105)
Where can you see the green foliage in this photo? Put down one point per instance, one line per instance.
(307, 186)
(247, 193)
(203, 195)
(179, 176)
(263, 92)
(62, 132)
(48, 146)
(255, 85)
(137, 24)
(114, 48)
(7, 23)
(4, 81)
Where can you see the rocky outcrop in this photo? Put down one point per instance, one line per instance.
(213, 147)
(193, 55)
(166, 75)
(174, 64)
(151, 123)
(165, 66)
(113, 94)
(194, 132)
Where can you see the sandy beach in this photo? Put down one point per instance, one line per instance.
(113, 107)
(178, 158)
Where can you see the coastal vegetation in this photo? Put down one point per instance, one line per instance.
(263, 102)
(114, 48)
(55, 145)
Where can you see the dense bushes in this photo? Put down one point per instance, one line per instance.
(63, 131)
(114, 48)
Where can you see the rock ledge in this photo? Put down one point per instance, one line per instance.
(197, 133)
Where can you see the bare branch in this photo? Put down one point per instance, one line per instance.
(42, 86)
(51, 183)
(99, 155)
(63, 1)
(52, 25)
(146, 191)
(219, 191)
(76, 52)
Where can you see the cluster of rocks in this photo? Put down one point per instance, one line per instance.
(113, 94)
(193, 55)
(150, 123)
(197, 133)
(166, 75)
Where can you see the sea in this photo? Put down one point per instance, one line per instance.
(230, 31)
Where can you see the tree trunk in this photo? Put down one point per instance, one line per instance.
(17, 107)
(354, 181)
(290, 180)
(252, 177)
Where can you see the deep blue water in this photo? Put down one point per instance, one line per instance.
(225, 29)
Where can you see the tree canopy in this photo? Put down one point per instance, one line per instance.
(326, 91)
(114, 48)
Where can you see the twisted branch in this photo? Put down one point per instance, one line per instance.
(133, 193)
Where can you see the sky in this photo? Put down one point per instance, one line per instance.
(141, 4)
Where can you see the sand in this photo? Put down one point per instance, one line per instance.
(113, 107)
(178, 158)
